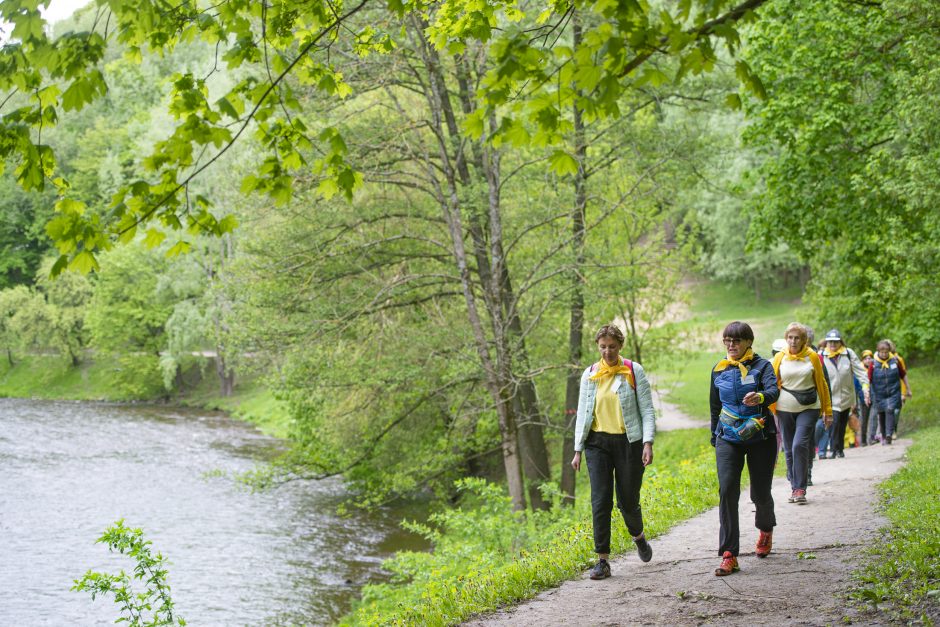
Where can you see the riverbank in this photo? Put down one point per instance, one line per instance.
(134, 379)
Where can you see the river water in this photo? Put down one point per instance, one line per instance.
(280, 557)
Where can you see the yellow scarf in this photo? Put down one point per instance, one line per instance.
(822, 388)
(838, 351)
(727, 362)
(603, 370)
(884, 364)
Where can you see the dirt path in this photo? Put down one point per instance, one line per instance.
(816, 547)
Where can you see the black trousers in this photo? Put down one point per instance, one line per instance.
(614, 464)
(837, 434)
(761, 457)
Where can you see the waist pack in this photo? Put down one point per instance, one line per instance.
(736, 428)
(804, 397)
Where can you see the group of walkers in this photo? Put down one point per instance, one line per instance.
(800, 399)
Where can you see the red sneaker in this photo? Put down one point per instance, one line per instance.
(729, 564)
(764, 542)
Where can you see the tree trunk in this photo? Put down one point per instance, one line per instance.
(456, 173)
(576, 310)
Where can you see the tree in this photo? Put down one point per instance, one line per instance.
(846, 135)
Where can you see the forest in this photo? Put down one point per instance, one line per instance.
(406, 219)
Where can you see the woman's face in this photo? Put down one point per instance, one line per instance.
(867, 360)
(883, 353)
(609, 349)
(795, 342)
(736, 347)
(833, 345)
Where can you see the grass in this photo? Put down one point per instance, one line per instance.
(900, 577)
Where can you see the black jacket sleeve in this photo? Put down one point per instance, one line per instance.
(714, 402)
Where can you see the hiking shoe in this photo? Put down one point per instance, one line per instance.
(764, 542)
(643, 549)
(729, 564)
(792, 498)
(601, 570)
(822, 456)
(887, 439)
(799, 497)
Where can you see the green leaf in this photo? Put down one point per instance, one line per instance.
(84, 262)
(179, 248)
(563, 163)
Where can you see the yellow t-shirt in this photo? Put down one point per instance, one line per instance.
(608, 415)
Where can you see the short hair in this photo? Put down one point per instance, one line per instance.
(810, 334)
(891, 345)
(887, 344)
(738, 330)
(609, 330)
(800, 331)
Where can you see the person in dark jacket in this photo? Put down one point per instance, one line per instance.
(743, 386)
(885, 374)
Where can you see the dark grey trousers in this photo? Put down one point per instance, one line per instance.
(614, 464)
(761, 457)
(840, 419)
(797, 432)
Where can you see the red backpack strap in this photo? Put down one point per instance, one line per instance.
(629, 364)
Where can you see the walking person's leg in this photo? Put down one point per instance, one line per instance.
(786, 422)
(761, 459)
(600, 464)
(802, 449)
(628, 476)
(822, 439)
(863, 413)
(839, 421)
(729, 459)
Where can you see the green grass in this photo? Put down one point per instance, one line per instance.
(900, 577)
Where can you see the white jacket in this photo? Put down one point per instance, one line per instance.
(841, 379)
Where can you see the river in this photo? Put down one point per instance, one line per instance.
(278, 557)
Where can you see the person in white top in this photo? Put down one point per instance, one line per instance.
(843, 366)
(804, 395)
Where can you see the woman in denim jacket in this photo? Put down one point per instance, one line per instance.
(743, 387)
(615, 429)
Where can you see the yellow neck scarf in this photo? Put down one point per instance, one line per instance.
(838, 351)
(801, 355)
(603, 370)
(884, 364)
(727, 362)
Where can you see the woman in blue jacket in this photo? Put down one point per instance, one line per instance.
(615, 428)
(743, 387)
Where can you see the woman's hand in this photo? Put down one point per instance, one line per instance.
(827, 421)
(751, 398)
(647, 453)
(576, 461)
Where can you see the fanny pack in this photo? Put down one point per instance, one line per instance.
(736, 428)
(804, 397)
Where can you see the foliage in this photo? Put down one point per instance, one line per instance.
(151, 607)
(486, 556)
(284, 46)
(899, 578)
(847, 132)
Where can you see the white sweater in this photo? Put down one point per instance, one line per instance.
(796, 374)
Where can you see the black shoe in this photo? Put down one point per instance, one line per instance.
(887, 439)
(643, 549)
(601, 570)
(840, 454)
(822, 456)
(809, 481)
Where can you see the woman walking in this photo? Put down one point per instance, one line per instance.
(843, 366)
(615, 428)
(804, 395)
(864, 404)
(885, 375)
(743, 386)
